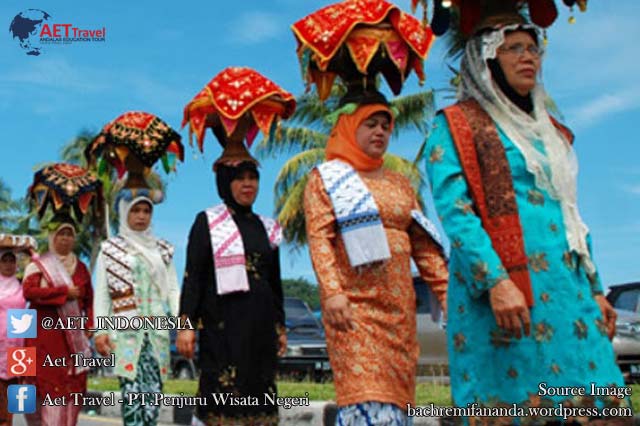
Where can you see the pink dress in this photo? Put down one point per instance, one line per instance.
(10, 298)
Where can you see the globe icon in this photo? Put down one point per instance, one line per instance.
(26, 26)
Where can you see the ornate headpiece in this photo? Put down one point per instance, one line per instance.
(241, 99)
(356, 40)
(471, 13)
(67, 188)
(133, 143)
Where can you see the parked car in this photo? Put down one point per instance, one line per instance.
(625, 296)
(306, 355)
(625, 299)
(432, 336)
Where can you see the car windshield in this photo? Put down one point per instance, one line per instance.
(298, 314)
(628, 300)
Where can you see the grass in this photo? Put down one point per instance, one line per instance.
(426, 393)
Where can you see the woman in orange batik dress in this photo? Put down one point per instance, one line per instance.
(364, 226)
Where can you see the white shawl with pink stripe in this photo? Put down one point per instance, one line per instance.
(228, 250)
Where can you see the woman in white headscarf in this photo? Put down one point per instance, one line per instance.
(10, 298)
(58, 285)
(525, 300)
(136, 277)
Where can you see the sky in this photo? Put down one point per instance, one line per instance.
(158, 54)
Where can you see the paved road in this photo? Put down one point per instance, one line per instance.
(84, 420)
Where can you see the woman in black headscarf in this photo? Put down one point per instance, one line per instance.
(232, 289)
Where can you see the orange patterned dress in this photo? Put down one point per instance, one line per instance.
(377, 360)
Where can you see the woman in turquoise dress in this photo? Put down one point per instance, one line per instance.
(527, 316)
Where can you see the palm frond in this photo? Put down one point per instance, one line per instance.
(413, 111)
(8, 206)
(290, 140)
(311, 111)
(420, 153)
(73, 151)
(291, 215)
(296, 168)
(411, 170)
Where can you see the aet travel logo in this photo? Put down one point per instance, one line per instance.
(33, 29)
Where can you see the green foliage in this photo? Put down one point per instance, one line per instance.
(9, 214)
(73, 151)
(302, 289)
(426, 393)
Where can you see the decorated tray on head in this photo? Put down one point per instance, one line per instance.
(237, 102)
(17, 243)
(134, 142)
(356, 40)
(468, 14)
(65, 188)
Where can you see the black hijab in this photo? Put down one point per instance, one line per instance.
(225, 175)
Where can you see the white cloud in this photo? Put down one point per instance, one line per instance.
(152, 94)
(602, 106)
(58, 73)
(633, 189)
(256, 27)
(57, 80)
(629, 230)
(598, 53)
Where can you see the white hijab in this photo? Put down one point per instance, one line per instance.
(145, 244)
(69, 261)
(556, 172)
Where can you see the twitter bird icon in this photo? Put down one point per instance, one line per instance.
(22, 323)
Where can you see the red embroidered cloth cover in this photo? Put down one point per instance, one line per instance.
(236, 91)
(64, 185)
(362, 26)
(142, 134)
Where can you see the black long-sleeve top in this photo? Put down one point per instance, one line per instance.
(236, 322)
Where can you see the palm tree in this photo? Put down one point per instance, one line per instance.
(306, 138)
(8, 208)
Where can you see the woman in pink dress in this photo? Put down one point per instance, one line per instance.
(10, 298)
